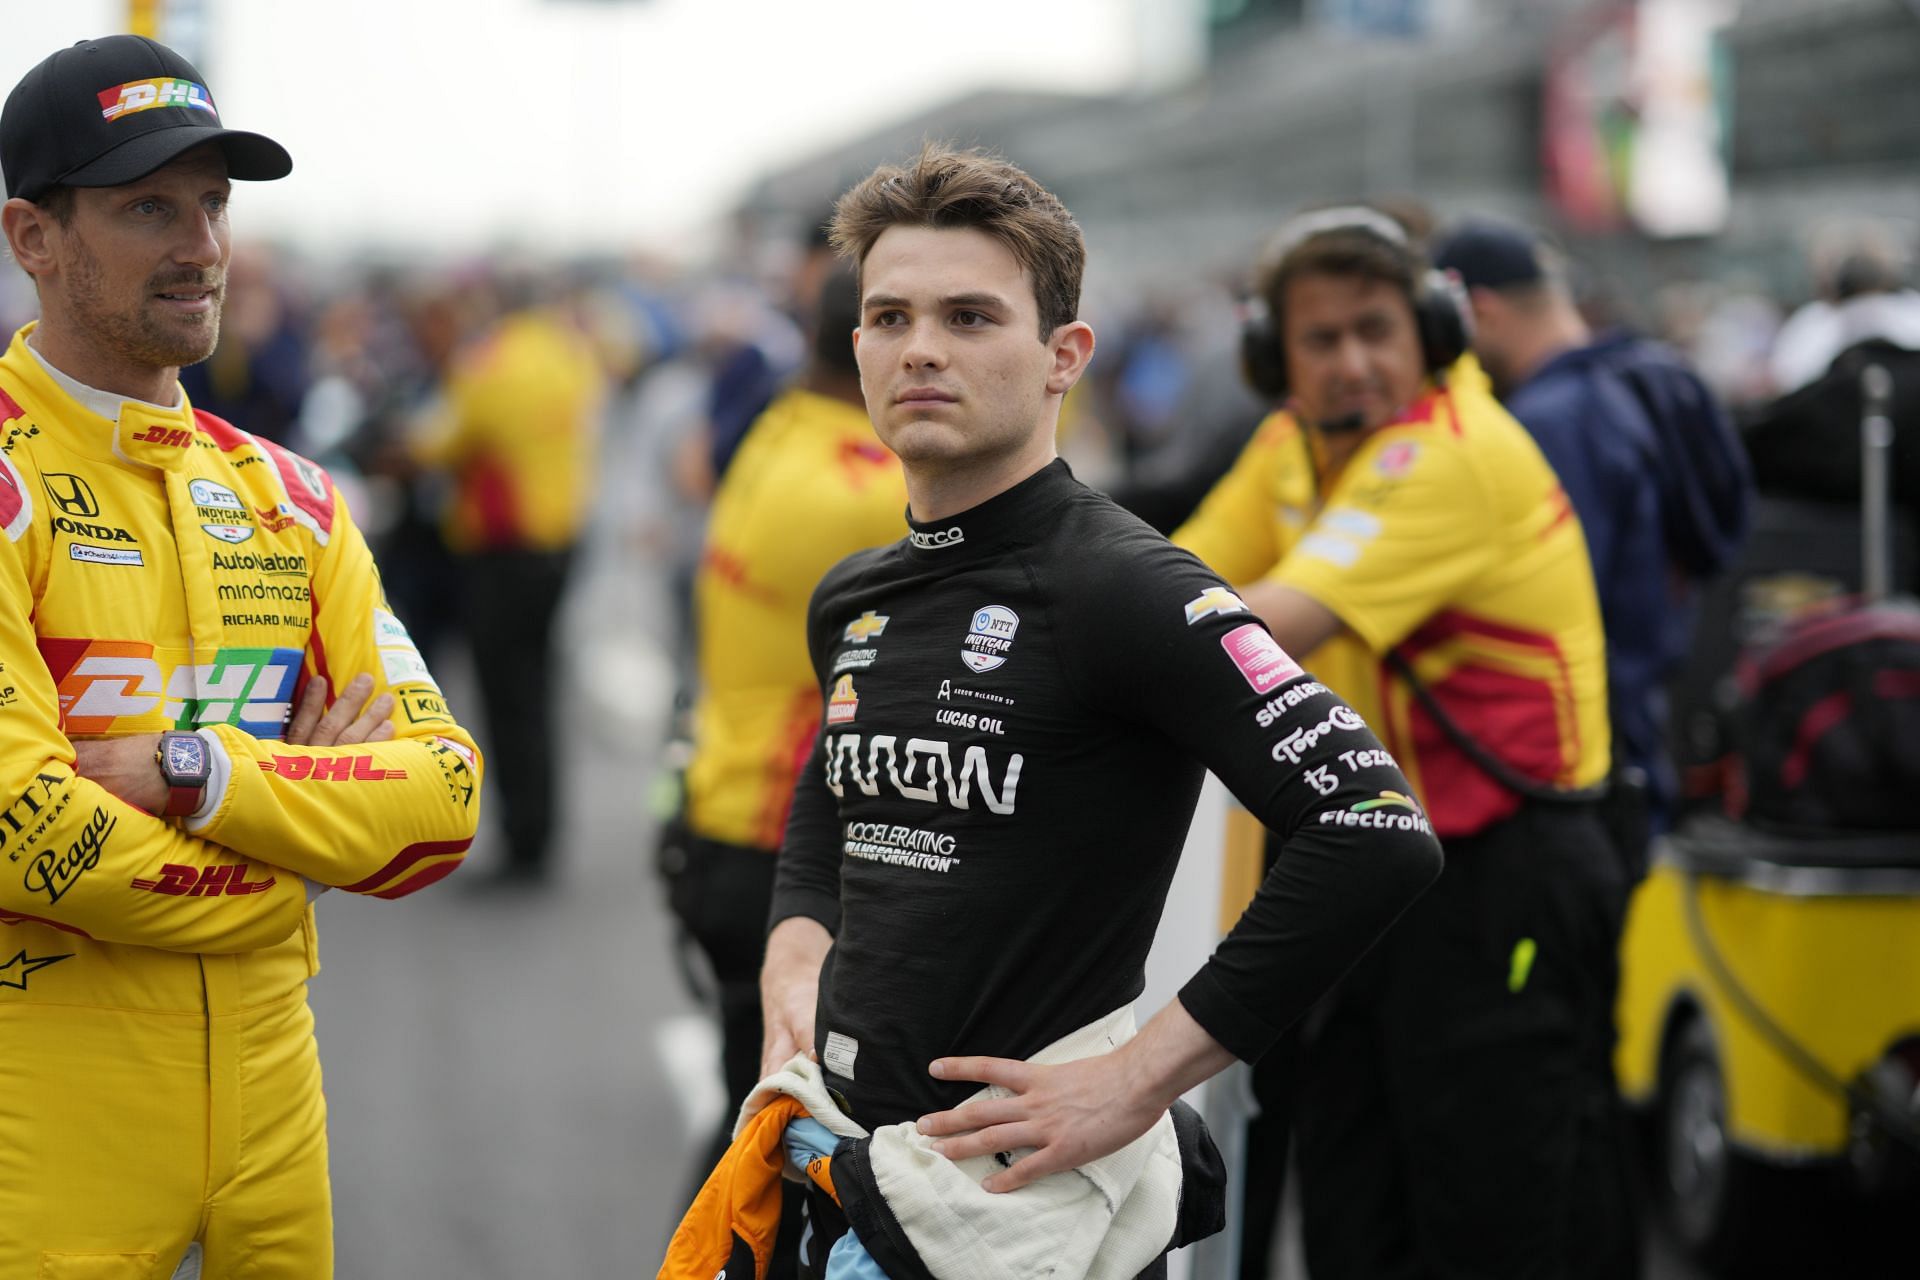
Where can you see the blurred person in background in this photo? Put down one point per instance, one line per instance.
(1654, 470)
(209, 716)
(1397, 528)
(517, 431)
(808, 487)
(754, 348)
(1863, 270)
(1207, 421)
(259, 373)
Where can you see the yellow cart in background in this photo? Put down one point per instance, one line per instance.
(1769, 1019)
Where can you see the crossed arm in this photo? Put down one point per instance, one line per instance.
(126, 766)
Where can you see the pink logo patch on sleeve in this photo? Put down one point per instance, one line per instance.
(1260, 658)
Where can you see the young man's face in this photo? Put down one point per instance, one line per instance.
(141, 270)
(951, 360)
(1353, 353)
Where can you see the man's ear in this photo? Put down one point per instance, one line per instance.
(29, 230)
(1072, 345)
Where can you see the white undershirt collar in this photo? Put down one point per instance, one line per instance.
(104, 403)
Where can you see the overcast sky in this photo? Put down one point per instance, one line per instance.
(564, 124)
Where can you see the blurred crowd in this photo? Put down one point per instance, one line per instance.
(347, 363)
(356, 366)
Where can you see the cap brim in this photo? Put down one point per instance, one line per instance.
(251, 157)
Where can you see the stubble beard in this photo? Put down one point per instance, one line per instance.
(136, 333)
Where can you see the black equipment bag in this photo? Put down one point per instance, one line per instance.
(1830, 722)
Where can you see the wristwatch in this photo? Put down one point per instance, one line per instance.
(184, 765)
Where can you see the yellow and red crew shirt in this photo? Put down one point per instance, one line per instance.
(809, 486)
(1446, 536)
(520, 431)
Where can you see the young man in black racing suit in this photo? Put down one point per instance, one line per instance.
(1021, 699)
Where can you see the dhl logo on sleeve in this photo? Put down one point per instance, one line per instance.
(329, 768)
(124, 686)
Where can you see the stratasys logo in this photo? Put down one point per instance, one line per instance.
(937, 539)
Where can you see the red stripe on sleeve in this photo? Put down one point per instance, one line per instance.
(437, 872)
(20, 917)
(408, 857)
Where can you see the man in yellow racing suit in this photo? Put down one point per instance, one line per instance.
(160, 1103)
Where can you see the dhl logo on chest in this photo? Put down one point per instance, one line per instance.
(108, 686)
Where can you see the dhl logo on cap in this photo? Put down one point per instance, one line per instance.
(162, 91)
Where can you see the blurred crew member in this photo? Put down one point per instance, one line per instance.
(808, 487)
(1653, 468)
(1866, 293)
(170, 588)
(981, 844)
(1397, 521)
(519, 429)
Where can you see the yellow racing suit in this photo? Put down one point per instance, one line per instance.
(159, 1084)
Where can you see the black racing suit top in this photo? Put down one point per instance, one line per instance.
(1020, 704)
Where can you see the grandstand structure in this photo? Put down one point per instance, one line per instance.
(1814, 105)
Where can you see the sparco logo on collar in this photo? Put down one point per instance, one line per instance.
(938, 538)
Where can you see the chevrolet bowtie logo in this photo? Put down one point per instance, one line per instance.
(15, 972)
(865, 627)
(71, 494)
(1211, 601)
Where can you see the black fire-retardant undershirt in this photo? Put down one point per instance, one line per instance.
(1021, 701)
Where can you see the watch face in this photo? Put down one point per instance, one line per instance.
(186, 757)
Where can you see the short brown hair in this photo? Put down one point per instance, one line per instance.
(58, 201)
(1352, 251)
(943, 187)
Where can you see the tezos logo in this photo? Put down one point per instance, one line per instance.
(935, 539)
(989, 637)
